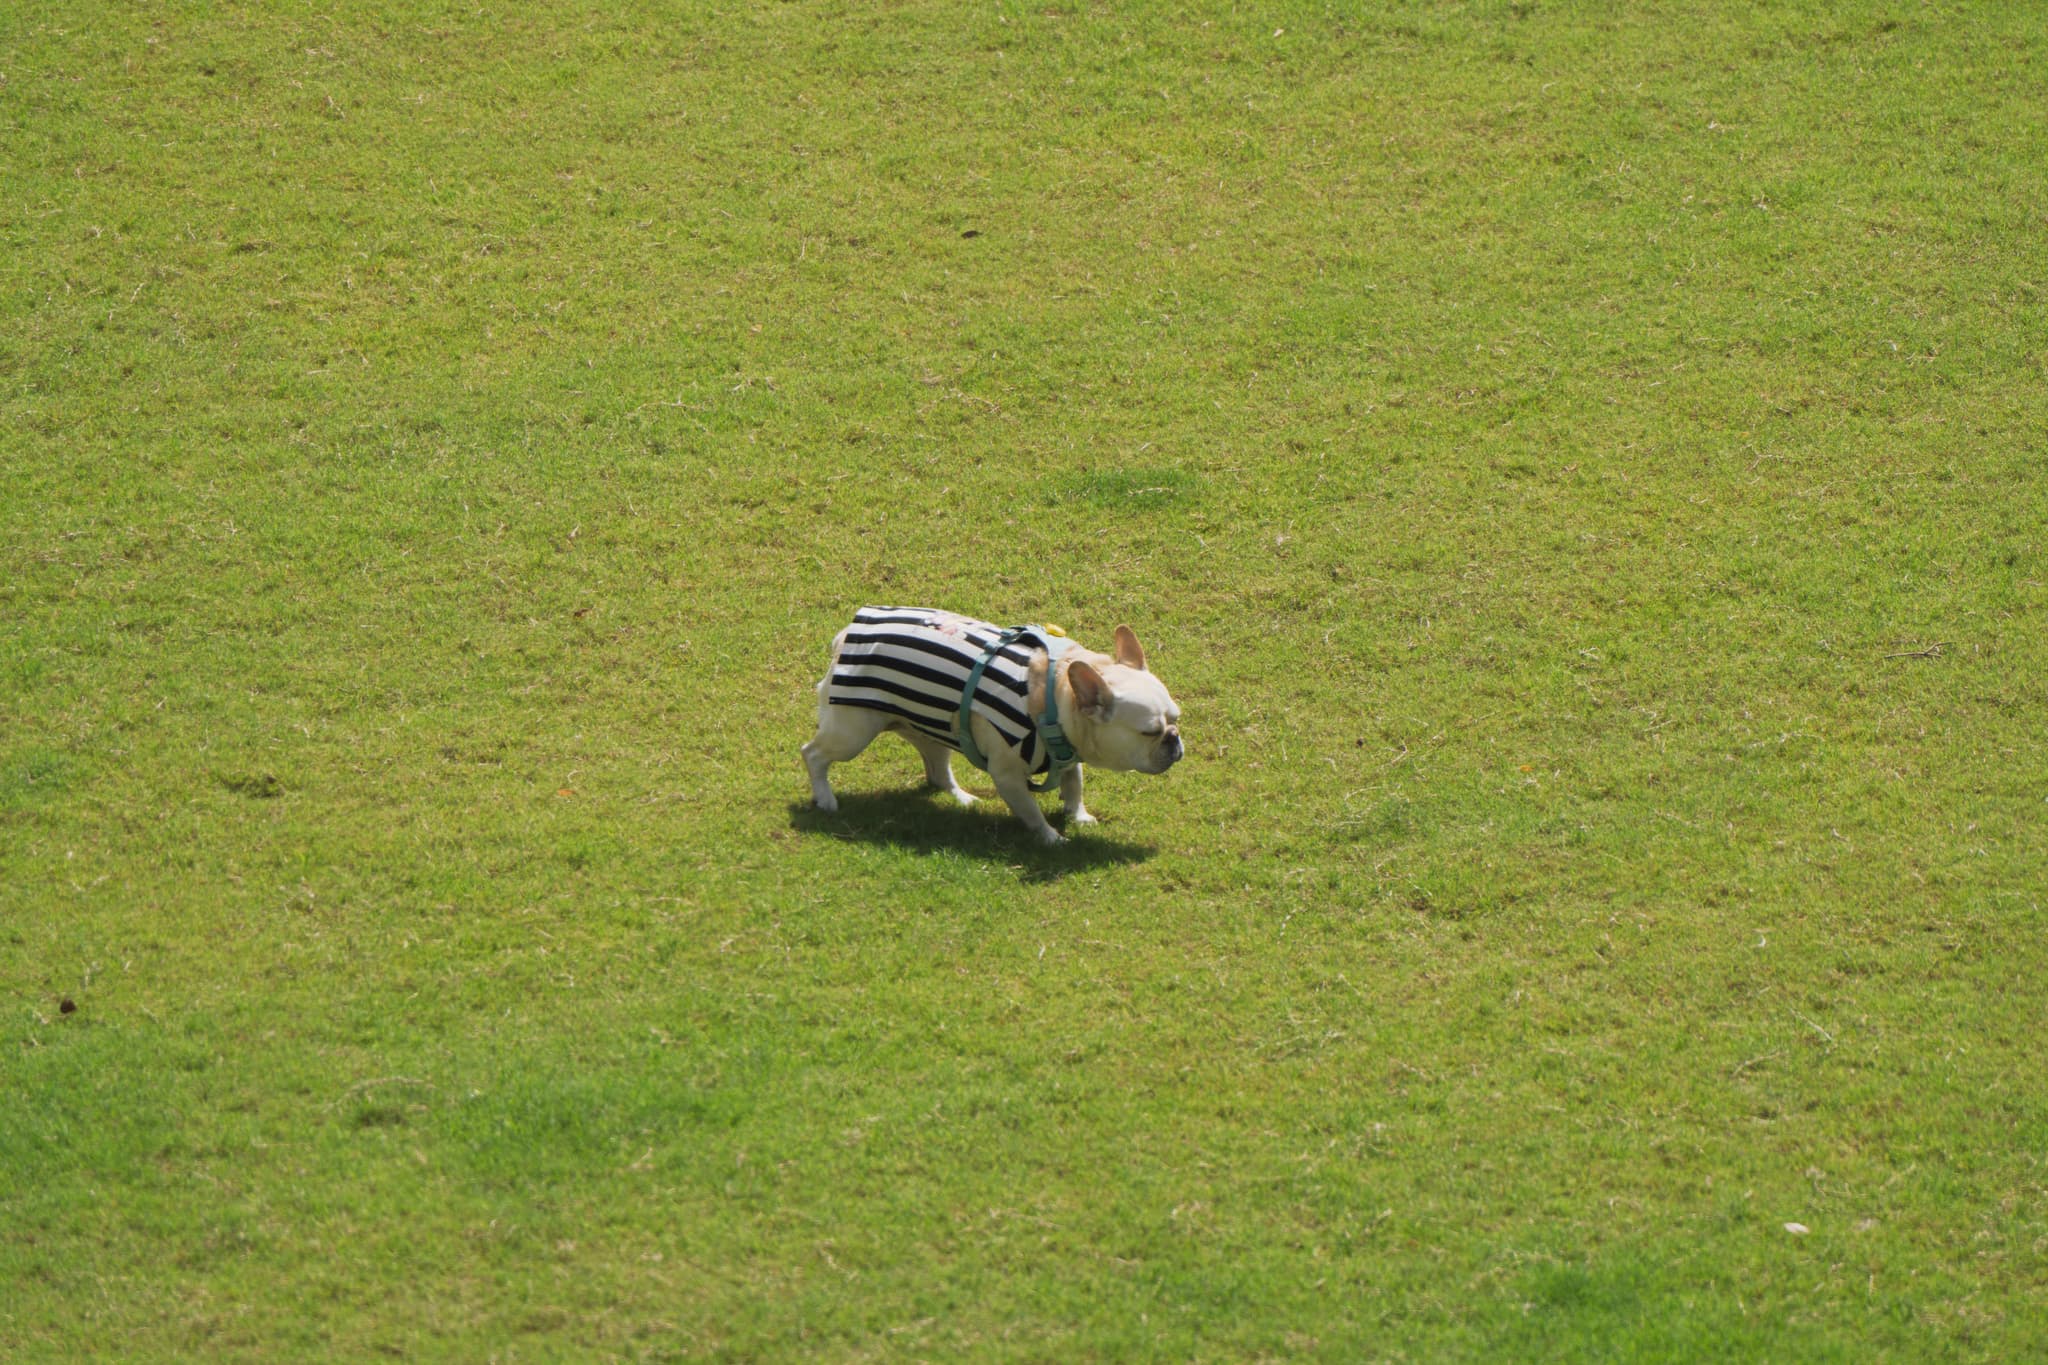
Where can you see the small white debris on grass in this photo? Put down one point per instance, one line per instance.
(1797, 1229)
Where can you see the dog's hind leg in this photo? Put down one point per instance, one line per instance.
(843, 731)
(938, 766)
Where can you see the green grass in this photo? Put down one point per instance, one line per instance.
(1541, 446)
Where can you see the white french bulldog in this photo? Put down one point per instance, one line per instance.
(906, 669)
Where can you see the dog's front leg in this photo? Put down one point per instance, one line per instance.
(1070, 797)
(1015, 789)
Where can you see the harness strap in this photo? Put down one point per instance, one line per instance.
(1059, 751)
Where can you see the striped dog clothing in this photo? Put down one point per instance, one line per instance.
(913, 663)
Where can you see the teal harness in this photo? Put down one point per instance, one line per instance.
(1059, 753)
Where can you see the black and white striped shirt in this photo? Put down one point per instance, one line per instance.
(913, 662)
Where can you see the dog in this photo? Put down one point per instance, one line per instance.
(1023, 703)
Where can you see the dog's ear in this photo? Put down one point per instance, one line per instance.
(1129, 652)
(1091, 693)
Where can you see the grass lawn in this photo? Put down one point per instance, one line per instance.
(1582, 469)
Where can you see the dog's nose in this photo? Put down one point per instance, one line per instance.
(1173, 746)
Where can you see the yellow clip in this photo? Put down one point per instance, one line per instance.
(1055, 630)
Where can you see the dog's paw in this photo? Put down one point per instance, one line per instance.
(1052, 838)
(826, 802)
(1080, 817)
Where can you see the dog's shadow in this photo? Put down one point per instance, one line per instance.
(924, 821)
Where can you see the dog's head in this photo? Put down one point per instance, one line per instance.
(1128, 722)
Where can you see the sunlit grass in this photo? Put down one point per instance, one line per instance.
(1578, 470)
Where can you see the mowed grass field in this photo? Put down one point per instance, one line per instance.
(1580, 469)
